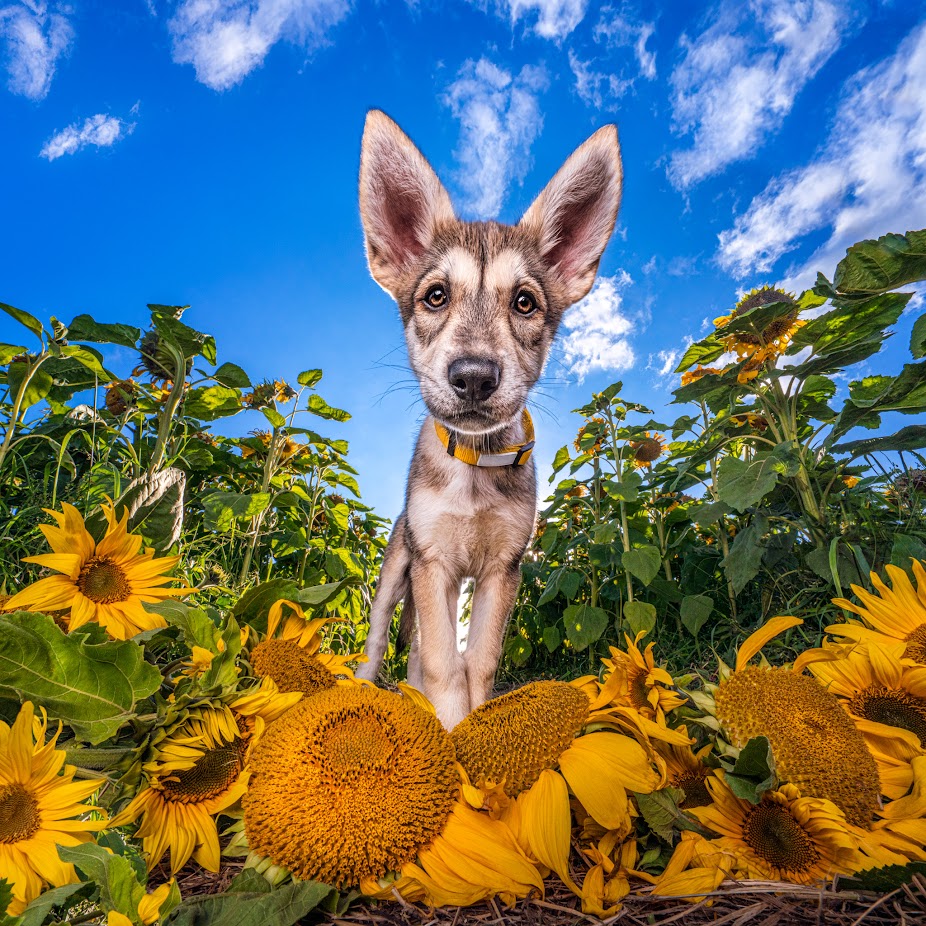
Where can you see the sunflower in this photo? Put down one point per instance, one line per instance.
(368, 785)
(531, 744)
(895, 615)
(647, 449)
(643, 685)
(198, 771)
(850, 482)
(607, 882)
(816, 745)
(692, 376)
(107, 582)
(41, 807)
(588, 440)
(293, 659)
(687, 770)
(784, 837)
(885, 698)
(774, 337)
(120, 397)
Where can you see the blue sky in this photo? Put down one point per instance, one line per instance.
(206, 152)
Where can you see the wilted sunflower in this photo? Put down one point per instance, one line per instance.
(198, 771)
(607, 882)
(775, 336)
(106, 582)
(639, 683)
(157, 359)
(687, 770)
(588, 440)
(41, 807)
(692, 376)
(293, 658)
(785, 837)
(648, 449)
(120, 397)
(816, 745)
(367, 783)
(893, 615)
(885, 698)
(531, 743)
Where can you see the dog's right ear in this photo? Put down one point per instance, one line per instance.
(401, 201)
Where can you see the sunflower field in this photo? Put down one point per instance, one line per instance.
(714, 679)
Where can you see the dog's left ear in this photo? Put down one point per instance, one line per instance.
(575, 214)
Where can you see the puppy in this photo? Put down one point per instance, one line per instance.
(480, 303)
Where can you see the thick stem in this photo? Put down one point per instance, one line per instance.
(17, 405)
(166, 420)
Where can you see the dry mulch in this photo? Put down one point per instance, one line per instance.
(743, 903)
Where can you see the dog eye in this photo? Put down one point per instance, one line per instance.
(436, 297)
(524, 303)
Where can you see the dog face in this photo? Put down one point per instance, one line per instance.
(480, 301)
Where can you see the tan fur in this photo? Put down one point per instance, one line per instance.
(462, 521)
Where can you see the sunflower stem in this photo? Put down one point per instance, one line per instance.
(17, 403)
(166, 420)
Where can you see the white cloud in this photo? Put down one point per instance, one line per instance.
(99, 130)
(34, 39)
(868, 179)
(739, 78)
(225, 40)
(499, 120)
(597, 329)
(621, 30)
(664, 362)
(596, 88)
(555, 18)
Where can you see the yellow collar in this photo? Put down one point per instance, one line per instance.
(515, 455)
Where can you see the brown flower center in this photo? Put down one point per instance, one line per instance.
(647, 450)
(916, 645)
(696, 793)
(893, 707)
(291, 667)
(639, 690)
(19, 814)
(103, 581)
(213, 773)
(775, 836)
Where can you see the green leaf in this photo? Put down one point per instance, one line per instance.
(552, 638)
(224, 508)
(318, 406)
(518, 650)
(584, 624)
(850, 325)
(8, 352)
(753, 773)
(912, 437)
(885, 880)
(89, 358)
(24, 318)
(186, 339)
(560, 460)
(663, 814)
(888, 263)
(309, 377)
(37, 911)
(39, 386)
(640, 616)
(627, 490)
(84, 328)
(695, 610)
(316, 595)
(285, 905)
(642, 562)
(744, 560)
(744, 483)
(207, 403)
(918, 338)
(92, 688)
(704, 351)
(254, 604)
(567, 581)
(709, 513)
(230, 374)
(274, 417)
(904, 548)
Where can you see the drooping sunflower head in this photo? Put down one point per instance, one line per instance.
(757, 347)
(364, 779)
(814, 741)
(262, 395)
(156, 359)
(120, 397)
(513, 738)
(588, 440)
(647, 449)
(692, 376)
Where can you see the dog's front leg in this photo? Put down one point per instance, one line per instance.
(442, 670)
(493, 600)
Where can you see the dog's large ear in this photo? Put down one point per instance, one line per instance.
(574, 216)
(401, 201)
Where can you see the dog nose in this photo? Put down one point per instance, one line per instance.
(474, 378)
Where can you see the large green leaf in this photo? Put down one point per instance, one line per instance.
(753, 773)
(744, 560)
(230, 374)
(84, 328)
(704, 351)
(584, 624)
(869, 397)
(224, 508)
(309, 377)
(565, 580)
(847, 326)
(24, 318)
(39, 385)
(744, 483)
(888, 263)
(37, 912)
(211, 402)
(640, 616)
(912, 437)
(91, 687)
(254, 604)
(318, 406)
(918, 338)
(186, 339)
(283, 906)
(663, 813)
(642, 562)
(695, 610)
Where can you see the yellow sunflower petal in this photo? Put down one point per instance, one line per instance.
(768, 631)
